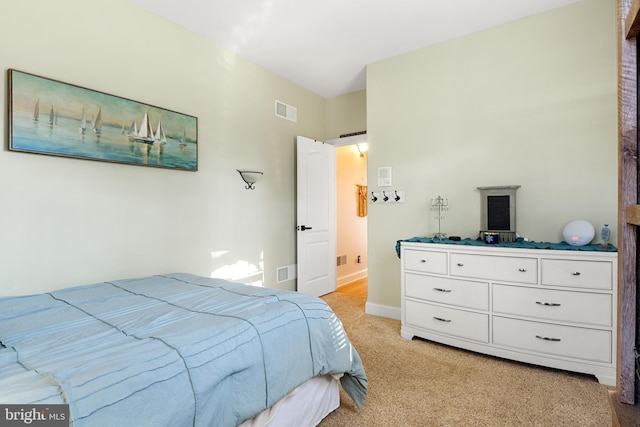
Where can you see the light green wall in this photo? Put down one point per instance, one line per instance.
(69, 221)
(346, 114)
(530, 103)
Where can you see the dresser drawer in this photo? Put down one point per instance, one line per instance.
(460, 323)
(566, 341)
(511, 269)
(463, 293)
(565, 306)
(578, 274)
(425, 261)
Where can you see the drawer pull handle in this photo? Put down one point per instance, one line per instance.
(575, 273)
(423, 261)
(442, 290)
(460, 264)
(548, 338)
(549, 304)
(522, 270)
(441, 319)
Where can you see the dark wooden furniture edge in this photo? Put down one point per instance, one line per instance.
(632, 21)
(623, 415)
(633, 214)
(623, 399)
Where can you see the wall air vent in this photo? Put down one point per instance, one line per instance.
(286, 273)
(286, 111)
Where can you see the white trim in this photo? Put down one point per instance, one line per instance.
(353, 277)
(382, 310)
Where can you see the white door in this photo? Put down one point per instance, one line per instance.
(316, 216)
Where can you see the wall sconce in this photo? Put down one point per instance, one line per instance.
(362, 148)
(250, 177)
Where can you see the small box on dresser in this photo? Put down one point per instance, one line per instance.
(554, 308)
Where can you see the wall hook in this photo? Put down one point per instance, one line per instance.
(385, 198)
(373, 197)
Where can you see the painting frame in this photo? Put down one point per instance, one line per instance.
(56, 118)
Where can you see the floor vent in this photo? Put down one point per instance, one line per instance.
(286, 111)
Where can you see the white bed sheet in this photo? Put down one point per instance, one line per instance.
(306, 405)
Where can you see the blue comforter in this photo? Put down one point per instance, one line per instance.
(174, 350)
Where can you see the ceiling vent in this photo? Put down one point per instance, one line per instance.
(286, 111)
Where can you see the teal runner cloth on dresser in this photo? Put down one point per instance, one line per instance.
(520, 243)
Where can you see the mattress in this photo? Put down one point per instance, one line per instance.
(306, 405)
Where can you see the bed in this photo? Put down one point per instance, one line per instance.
(178, 350)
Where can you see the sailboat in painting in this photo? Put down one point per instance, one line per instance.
(183, 142)
(97, 123)
(160, 136)
(145, 134)
(51, 116)
(133, 130)
(36, 111)
(83, 122)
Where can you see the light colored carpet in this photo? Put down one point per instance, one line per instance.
(422, 383)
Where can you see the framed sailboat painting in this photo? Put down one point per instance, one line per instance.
(61, 119)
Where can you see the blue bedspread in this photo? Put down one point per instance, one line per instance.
(174, 350)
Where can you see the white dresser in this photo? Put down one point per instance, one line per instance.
(555, 308)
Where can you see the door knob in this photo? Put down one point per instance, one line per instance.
(304, 227)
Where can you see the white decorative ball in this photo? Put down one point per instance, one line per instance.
(578, 233)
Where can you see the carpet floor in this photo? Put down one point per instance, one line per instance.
(422, 383)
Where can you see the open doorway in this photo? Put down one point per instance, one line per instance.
(351, 218)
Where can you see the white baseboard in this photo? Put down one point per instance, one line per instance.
(382, 310)
(350, 278)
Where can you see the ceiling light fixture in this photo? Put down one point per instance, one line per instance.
(363, 147)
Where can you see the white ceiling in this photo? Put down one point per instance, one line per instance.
(324, 46)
